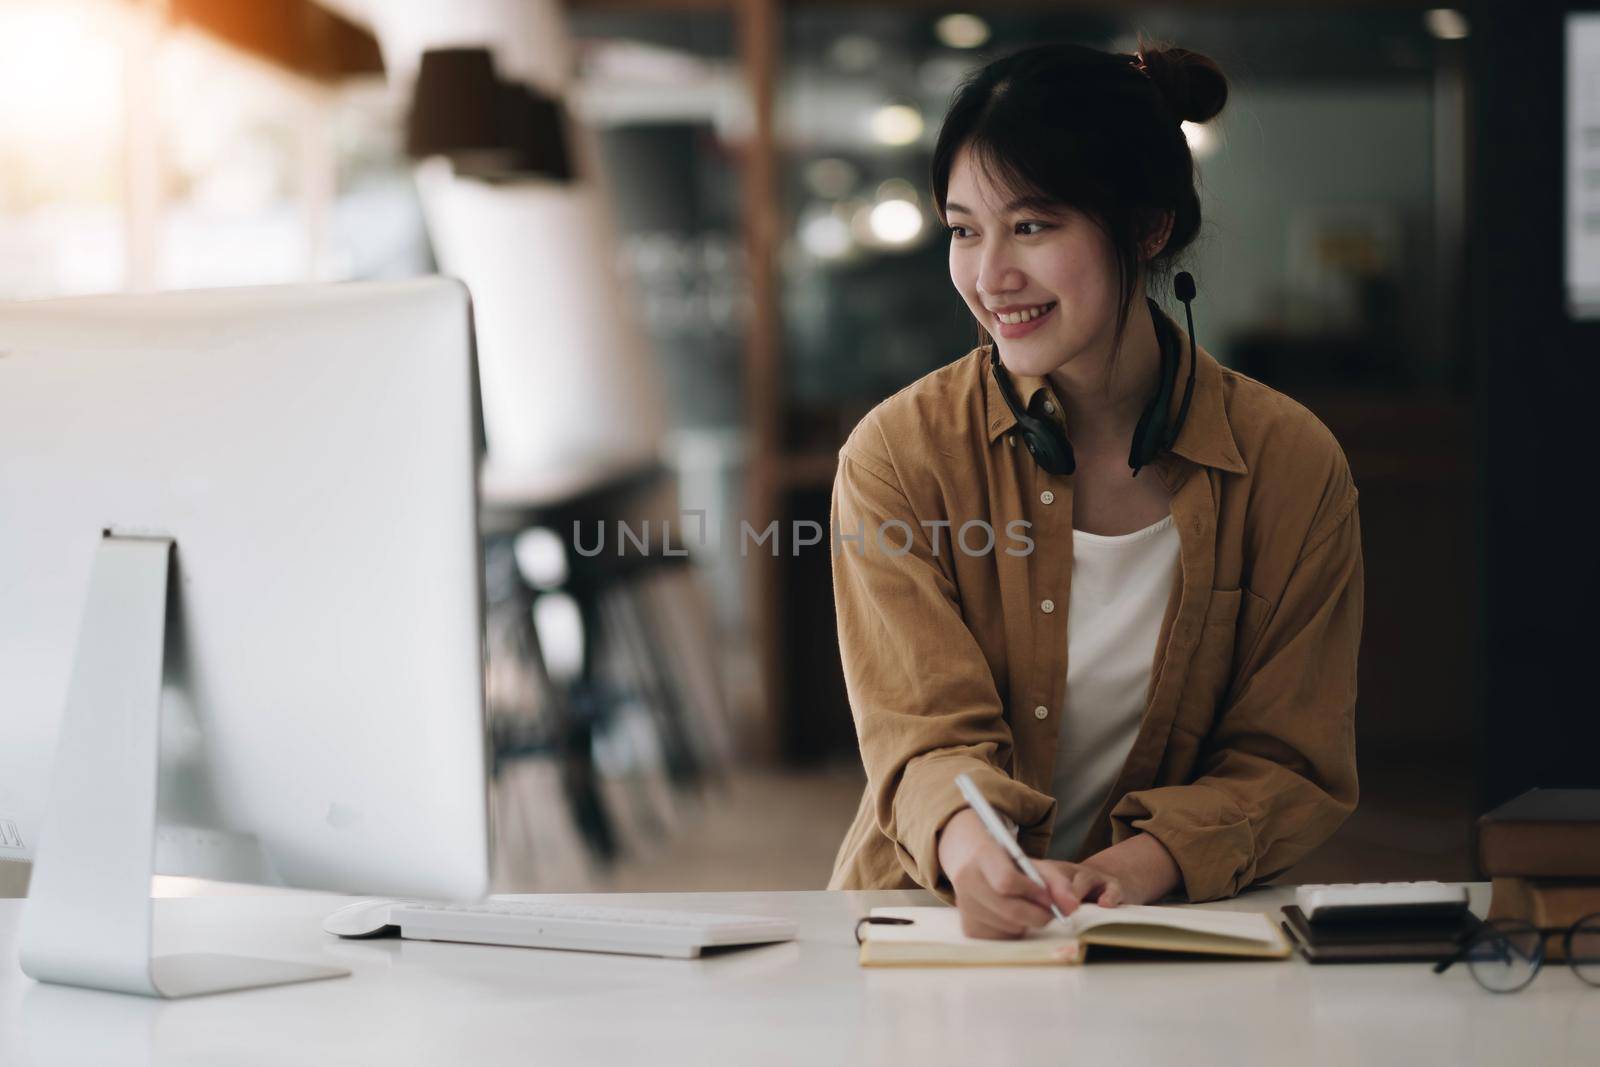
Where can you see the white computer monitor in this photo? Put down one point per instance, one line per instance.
(239, 525)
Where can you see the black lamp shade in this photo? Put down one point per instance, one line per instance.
(491, 129)
(536, 132)
(453, 108)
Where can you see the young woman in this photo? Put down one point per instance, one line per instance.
(1152, 677)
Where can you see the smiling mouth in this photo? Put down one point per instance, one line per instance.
(1027, 315)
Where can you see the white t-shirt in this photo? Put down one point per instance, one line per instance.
(1120, 589)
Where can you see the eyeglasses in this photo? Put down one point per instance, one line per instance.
(1504, 955)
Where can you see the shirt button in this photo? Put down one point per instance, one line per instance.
(1047, 497)
(1048, 606)
(1049, 407)
(1011, 439)
(1041, 712)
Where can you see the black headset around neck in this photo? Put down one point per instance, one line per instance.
(1047, 442)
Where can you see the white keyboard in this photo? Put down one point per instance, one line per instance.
(585, 927)
(1379, 900)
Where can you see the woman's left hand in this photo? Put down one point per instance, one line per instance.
(1134, 871)
(1083, 883)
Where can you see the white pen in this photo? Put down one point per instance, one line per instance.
(997, 830)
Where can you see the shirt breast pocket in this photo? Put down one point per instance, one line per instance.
(1211, 667)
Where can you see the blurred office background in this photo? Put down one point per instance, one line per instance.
(1383, 240)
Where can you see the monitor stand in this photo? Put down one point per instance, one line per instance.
(87, 921)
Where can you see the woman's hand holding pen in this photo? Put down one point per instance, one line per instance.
(996, 900)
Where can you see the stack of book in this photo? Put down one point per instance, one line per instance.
(1379, 922)
(1541, 852)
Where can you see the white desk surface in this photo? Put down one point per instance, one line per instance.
(803, 1003)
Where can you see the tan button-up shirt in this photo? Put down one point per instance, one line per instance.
(1245, 757)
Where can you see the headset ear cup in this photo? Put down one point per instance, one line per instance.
(1046, 442)
(1047, 445)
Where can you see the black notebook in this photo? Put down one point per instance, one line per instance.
(1392, 942)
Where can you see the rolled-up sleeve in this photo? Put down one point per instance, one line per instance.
(1277, 773)
(922, 694)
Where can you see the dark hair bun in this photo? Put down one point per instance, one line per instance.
(1193, 85)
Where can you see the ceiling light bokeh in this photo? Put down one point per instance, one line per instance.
(825, 235)
(896, 222)
(895, 189)
(961, 31)
(896, 124)
(1446, 23)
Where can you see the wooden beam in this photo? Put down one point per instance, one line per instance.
(297, 35)
(759, 27)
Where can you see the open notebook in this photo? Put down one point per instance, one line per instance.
(933, 937)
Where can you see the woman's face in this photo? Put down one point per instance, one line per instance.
(1052, 263)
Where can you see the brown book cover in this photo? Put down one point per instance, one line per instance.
(1544, 833)
(1544, 902)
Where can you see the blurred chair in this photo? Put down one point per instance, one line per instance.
(642, 704)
